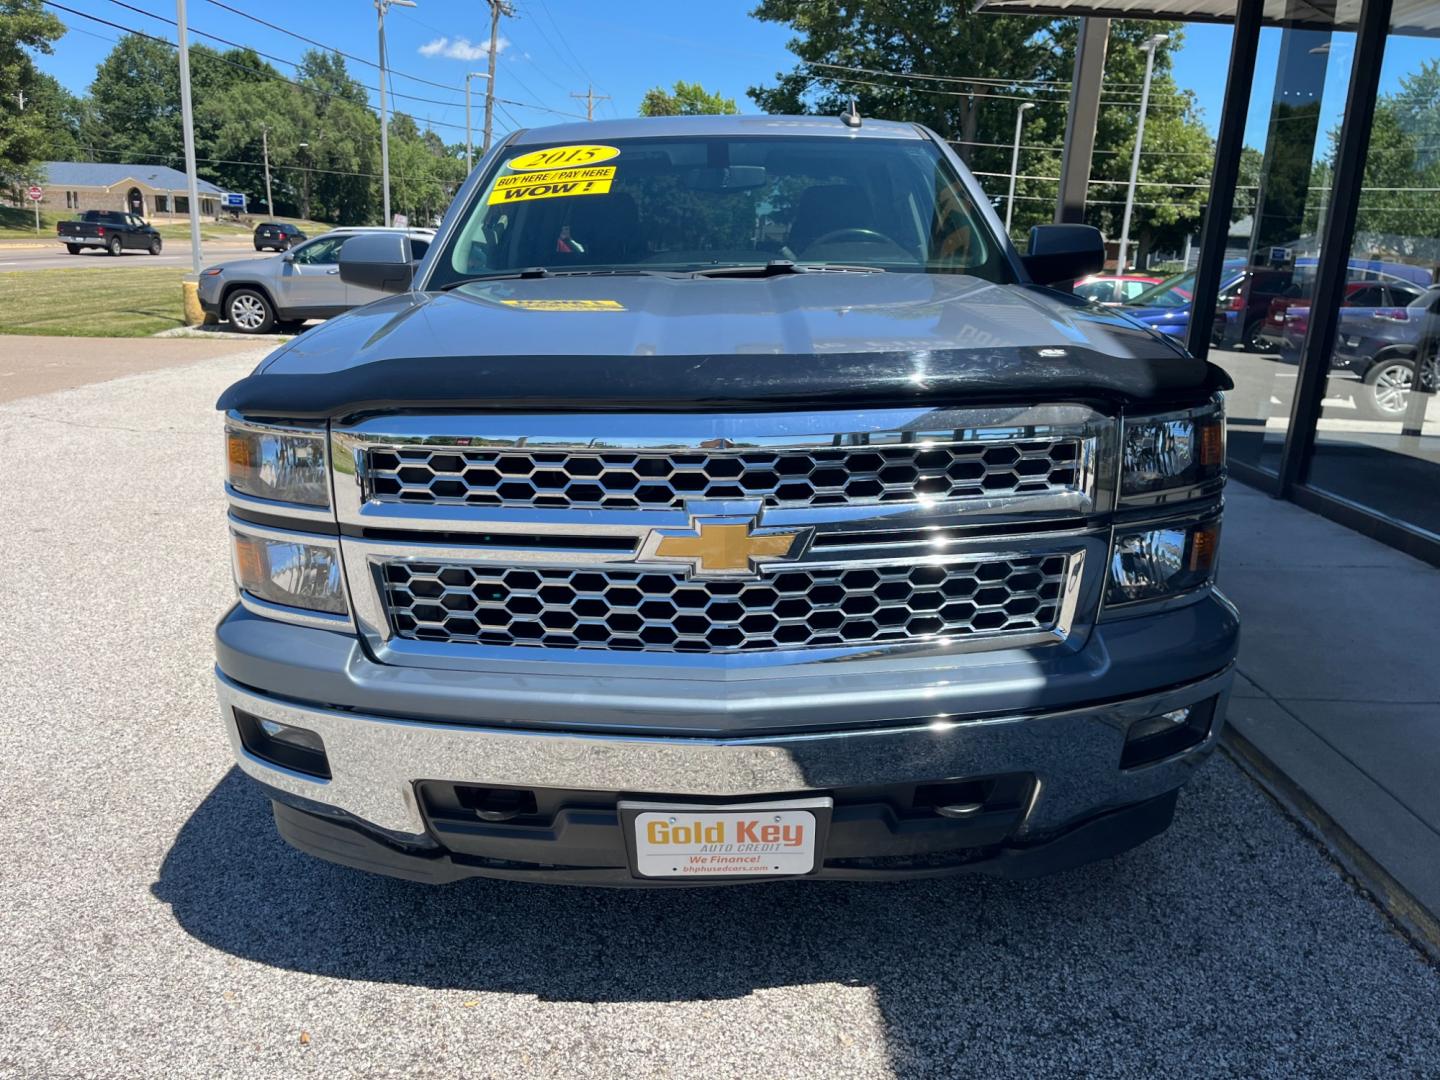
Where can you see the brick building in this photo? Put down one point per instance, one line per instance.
(152, 191)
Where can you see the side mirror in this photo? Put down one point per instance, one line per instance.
(1061, 253)
(288, 257)
(379, 261)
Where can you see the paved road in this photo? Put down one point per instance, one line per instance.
(154, 926)
(175, 253)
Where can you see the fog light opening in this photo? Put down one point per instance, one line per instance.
(295, 748)
(1164, 735)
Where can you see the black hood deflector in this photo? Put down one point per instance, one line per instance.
(733, 382)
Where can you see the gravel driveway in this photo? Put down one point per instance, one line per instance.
(153, 924)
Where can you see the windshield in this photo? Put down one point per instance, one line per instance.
(1172, 292)
(687, 204)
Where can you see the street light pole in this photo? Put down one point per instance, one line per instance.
(1015, 162)
(265, 153)
(1151, 44)
(187, 124)
(469, 139)
(381, 6)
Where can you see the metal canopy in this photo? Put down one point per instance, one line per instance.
(1412, 17)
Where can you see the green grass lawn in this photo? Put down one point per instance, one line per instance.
(106, 301)
(16, 224)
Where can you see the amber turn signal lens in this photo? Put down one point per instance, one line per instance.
(249, 559)
(1204, 546)
(237, 449)
(1212, 444)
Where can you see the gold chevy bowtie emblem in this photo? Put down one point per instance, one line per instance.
(717, 549)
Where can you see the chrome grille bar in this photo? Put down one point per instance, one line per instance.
(639, 480)
(1002, 596)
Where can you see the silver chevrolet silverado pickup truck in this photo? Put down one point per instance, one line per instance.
(724, 499)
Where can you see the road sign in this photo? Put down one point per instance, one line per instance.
(35, 193)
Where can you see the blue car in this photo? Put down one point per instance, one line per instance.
(1166, 307)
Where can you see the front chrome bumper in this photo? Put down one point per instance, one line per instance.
(376, 760)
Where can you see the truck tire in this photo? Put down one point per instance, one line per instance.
(249, 312)
(155, 245)
(113, 245)
(74, 249)
(1385, 392)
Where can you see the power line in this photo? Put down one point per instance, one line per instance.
(321, 45)
(981, 79)
(977, 95)
(275, 74)
(559, 33)
(256, 164)
(277, 59)
(327, 48)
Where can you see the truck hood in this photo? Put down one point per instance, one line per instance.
(671, 343)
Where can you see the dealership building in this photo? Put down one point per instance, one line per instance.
(148, 190)
(1313, 286)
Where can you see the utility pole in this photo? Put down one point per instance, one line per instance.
(265, 150)
(469, 140)
(1151, 44)
(497, 8)
(187, 124)
(590, 97)
(381, 6)
(1015, 163)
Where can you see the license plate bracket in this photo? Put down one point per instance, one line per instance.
(764, 838)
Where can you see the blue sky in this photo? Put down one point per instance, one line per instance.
(555, 47)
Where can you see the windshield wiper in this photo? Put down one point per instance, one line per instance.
(546, 272)
(776, 267)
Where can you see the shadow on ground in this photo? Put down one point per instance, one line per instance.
(1228, 941)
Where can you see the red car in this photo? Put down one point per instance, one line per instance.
(1115, 288)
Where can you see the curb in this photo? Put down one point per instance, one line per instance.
(1414, 922)
(26, 245)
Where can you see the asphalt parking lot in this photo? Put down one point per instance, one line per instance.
(43, 255)
(155, 926)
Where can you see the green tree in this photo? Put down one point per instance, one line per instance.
(842, 43)
(59, 114)
(25, 27)
(987, 67)
(340, 166)
(686, 99)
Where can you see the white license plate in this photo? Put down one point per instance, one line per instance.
(749, 840)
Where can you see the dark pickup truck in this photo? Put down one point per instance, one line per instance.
(723, 498)
(113, 230)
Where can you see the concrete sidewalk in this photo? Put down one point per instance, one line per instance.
(41, 365)
(1337, 709)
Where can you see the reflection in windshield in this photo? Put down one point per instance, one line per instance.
(1172, 292)
(688, 204)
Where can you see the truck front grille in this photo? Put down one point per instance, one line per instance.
(795, 607)
(656, 479)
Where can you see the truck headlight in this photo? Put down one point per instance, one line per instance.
(1161, 560)
(1173, 451)
(282, 464)
(289, 571)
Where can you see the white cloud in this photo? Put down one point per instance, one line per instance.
(461, 48)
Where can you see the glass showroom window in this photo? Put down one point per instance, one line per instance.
(1377, 443)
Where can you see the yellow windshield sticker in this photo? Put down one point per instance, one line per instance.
(561, 156)
(552, 183)
(565, 305)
